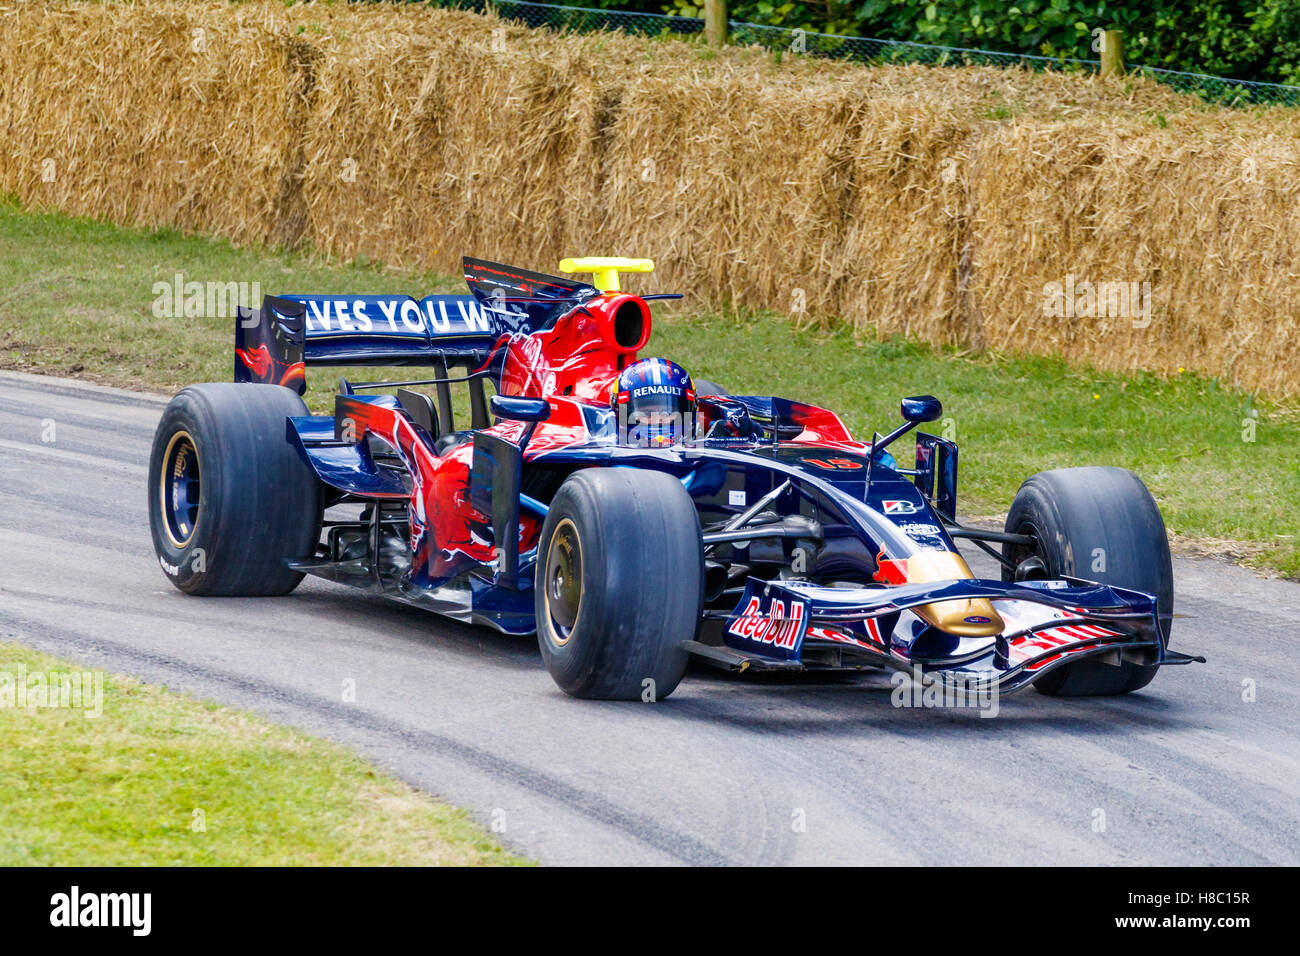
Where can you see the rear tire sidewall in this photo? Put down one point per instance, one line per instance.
(187, 565)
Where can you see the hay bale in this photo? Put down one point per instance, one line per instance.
(153, 114)
(946, 203)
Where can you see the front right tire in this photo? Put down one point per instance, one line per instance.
(1103, 525)
(619, 584)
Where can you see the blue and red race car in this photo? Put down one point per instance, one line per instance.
(631, 516)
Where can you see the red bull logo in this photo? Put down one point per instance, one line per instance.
(774, 626)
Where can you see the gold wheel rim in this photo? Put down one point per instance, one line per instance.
(562, 583)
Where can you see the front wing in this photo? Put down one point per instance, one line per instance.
(788, 625)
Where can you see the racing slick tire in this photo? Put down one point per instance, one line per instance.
(1103, 525)
(230, 500)
(619, 585)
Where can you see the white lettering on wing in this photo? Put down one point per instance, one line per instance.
(359, 315)
(318, 314)
(439, 322)
(473, 317)
(412, 317)
(341, 313)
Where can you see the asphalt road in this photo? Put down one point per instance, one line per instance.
(728, 770)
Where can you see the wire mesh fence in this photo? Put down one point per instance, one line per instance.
(867, 50)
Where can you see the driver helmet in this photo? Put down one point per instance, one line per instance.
(654, 400)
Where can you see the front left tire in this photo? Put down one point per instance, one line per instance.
(619, 584)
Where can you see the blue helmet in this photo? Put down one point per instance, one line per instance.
(654, 400)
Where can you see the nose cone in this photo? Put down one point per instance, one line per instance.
(965, 618)
(972, 618)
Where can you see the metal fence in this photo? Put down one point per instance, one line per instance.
(866, 50)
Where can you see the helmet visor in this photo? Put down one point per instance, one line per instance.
(656, 415)
(661, 404)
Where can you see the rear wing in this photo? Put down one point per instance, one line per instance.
(275, 344)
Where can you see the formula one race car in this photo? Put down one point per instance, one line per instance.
(629, 515)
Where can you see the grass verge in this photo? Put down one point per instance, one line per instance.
(76, 296)
(159, 778)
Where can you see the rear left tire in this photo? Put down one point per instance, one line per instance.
(230, 501)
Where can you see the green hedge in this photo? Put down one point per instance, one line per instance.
(1241, 39)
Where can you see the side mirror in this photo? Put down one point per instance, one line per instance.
(921, 408)
(917, 409)
(520, 409)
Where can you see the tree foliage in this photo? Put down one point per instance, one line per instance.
(1243, 39)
